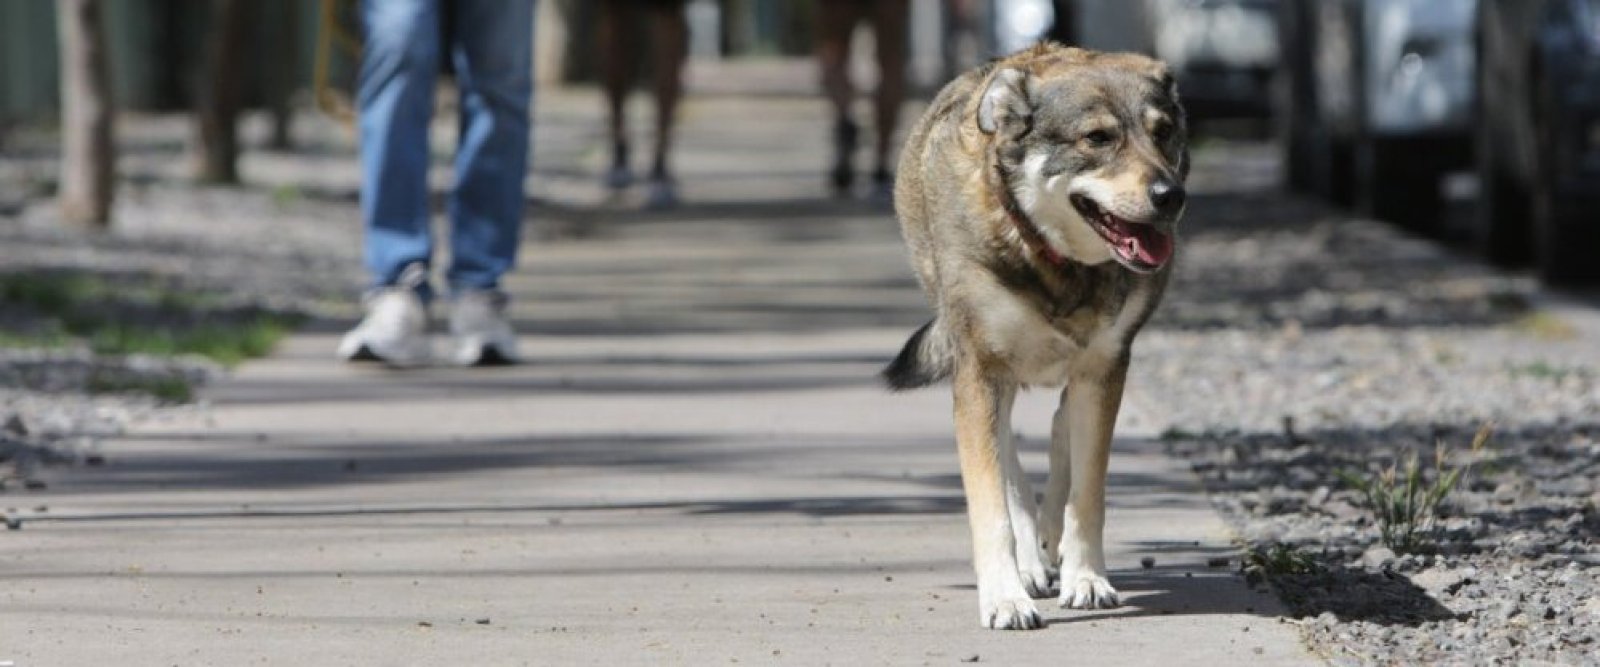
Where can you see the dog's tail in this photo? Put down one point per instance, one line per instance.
(926, 358)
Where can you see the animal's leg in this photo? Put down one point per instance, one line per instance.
(982, 413)
(1058, 486)
(1032, 565)
(1091, 405)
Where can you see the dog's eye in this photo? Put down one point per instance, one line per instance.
(1162, 132)
(1098, 138)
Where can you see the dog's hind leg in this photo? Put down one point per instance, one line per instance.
(1032, 565)
(982, 415)
(1092, 401)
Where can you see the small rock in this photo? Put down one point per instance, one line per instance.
(1341, 510)
(1377, 557)
(14, 425)
(1147, 562)
(1319, 496)
(1439, 580)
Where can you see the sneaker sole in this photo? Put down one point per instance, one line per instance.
(491, 356)
(365, 354)
(485, 354)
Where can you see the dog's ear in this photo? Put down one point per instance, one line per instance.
(1169, 85)
(1005, 103)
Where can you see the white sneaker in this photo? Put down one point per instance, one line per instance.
(482, 334)
(395, 330)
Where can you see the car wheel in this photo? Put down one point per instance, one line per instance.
(1334, 172)
(1396, 182)
(1565, 238)
(1499, 226)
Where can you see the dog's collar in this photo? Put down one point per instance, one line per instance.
(1031, 236)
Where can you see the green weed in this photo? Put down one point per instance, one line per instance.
(1545, 326)
(128, 317)
(166, 388)
(1404, 502)
(1543, 370)
(1277, 560)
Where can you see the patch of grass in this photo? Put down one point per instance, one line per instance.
(1405, 502)
(50, 338)
(1507, 301)
(1444, 356)
(128, 316)
(286, 195)
(166, 388)
(1261, 563)
(226, 343)
(50, 293)
(1542, 370)
(1545, 326)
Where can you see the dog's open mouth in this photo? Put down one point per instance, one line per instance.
(1138, 246)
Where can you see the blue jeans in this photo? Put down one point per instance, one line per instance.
(491, 44)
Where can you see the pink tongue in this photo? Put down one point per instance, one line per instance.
(1150, 246)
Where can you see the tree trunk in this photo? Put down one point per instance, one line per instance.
(88, 150)
(217, 112)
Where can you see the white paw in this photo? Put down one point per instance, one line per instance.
(1037, 578)
(1088, 591)
(1014, 614)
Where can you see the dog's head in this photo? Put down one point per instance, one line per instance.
(1093, 148)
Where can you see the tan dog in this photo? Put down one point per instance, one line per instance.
(1039, 197)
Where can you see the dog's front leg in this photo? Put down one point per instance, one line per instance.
(1091, 403)
(1052, 512)
(1037, 571)
(982, 415)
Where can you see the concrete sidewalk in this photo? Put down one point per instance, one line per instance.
(696, 466)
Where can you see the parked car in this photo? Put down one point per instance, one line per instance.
(1538, 140)
(1376, 101)
(1222, 51)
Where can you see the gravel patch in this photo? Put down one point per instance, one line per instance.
(286, 243)
(1297, 344)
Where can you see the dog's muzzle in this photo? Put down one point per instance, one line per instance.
(1140, 246)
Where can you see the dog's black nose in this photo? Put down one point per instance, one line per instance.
(1166, 196)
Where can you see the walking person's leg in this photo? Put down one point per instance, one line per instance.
(617, 60)
(669, 36)
(394, 97)
(889, 23)
(492, 52)
(836, 20)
